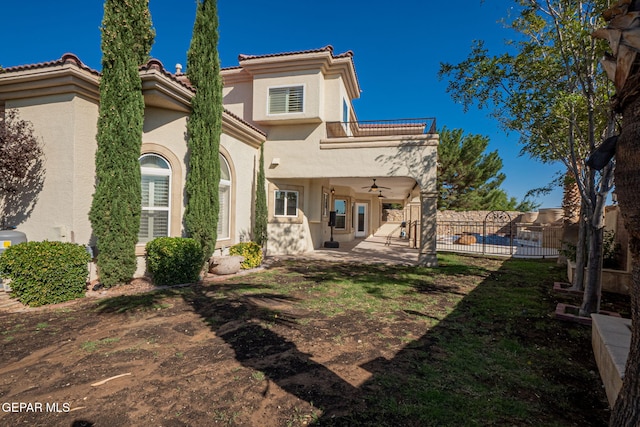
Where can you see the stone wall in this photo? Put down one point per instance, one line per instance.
(392, 215)
(397, 215)
(471, 216)
(454, 222)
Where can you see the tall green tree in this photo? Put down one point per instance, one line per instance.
(469, 178)
(204, 128)
(127, 36)
(261, 214)
(550, 89)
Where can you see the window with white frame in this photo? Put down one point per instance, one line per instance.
(345, 111)
(286, 203)
(156, 197)
(286, 99)
(325, 204)
(340, 206)
(345, 117)
(224, 198)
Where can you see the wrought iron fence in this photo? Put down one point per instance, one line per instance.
(381, 128)
(499, 235)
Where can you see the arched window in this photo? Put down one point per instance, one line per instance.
(224, 194)
(156, 197)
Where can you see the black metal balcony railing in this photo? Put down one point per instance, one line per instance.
(381, 128)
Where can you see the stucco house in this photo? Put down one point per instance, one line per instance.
(318, 157)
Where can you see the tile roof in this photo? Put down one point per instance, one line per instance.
(328, 48)
(156, 64)
(240, 119)
(152, 64)
(348, 54)
(181, 78)
(67, 58)
(235, 67)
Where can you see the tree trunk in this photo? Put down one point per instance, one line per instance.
(592, 290)
(581, 259)
(626, 411)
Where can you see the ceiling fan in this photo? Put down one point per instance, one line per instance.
(376, 187)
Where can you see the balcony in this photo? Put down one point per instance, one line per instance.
(381, 128)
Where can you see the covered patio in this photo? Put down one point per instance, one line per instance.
(376, 249)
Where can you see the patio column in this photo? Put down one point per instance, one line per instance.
(414, 216)
(428, 227)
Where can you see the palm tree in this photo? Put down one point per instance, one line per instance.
(623, 67)
(571, 199)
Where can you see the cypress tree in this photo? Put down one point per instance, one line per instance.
(204, 128)
(260, 224)
(127, 37)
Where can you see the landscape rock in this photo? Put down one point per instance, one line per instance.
(225, 264)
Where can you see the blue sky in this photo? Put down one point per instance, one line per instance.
(398, 48)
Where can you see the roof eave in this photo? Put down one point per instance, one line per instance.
(241, 130)
(20, 83)
(160, 91)
(322, 59)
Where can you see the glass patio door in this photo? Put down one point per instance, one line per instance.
(361, 219)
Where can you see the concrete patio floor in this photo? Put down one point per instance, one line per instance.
(370, 250)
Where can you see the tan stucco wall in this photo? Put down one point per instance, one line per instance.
(237, 97)
(248, 99)
(66, 126)
(335, 94)
(298, 152)
(313, 97)
(85, 125)
(310, 158)
(243, 161)
(164, 134)
(310, 230)
(304, 158)
(307, 158)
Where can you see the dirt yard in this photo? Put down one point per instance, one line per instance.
(209, 354)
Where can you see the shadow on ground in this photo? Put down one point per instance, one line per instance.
(460, 372)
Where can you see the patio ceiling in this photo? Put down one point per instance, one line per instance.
(398, 187)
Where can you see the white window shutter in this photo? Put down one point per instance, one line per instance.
(286, 100)
(295, 100)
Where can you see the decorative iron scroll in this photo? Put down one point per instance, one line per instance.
(498, 216)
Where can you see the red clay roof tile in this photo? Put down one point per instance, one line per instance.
(328, 48)
(67, 58)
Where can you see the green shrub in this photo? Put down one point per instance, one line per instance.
(568, 250)
(45, 272)
(251, 252)
(174, 260)
(611, 250)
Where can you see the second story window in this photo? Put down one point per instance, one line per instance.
(345, 111)
(286, 99)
